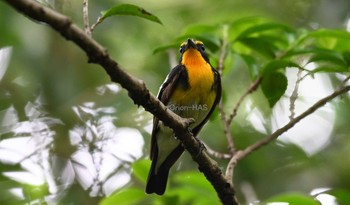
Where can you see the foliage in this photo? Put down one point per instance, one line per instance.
(66, 133)
(128, 9)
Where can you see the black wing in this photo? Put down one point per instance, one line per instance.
(164, 94)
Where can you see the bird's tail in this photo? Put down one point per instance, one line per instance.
(156, 183)
(158, 177)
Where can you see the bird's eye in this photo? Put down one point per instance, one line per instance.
(202, 47)
(181, 49)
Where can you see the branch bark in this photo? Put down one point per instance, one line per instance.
(136, 88)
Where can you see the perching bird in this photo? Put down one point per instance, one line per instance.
(192, 89)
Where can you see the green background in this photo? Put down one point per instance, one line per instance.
(70, 136)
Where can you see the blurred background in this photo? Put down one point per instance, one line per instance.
(70, 136)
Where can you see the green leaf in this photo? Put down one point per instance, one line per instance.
(329, 56)
(331, 62)
(275, 65)
(327, 38)
(210, 41)
(328, 68)
(293, 199)
(229, 61)
(192, 184)
(199, 29)
(242, 24)
(342, 196)
(260, 45)
(166, 47)
(125, 197)
(303, 51)
(6, 187)
(263, 28)
(140, 169)
(346, 56)
(252, 65)
(130, 10)
(194, 179)
(341, 34)
(273, 86)
(167, 199)
(328, 65)
(35, 192)
(336, 61)
(324, 60)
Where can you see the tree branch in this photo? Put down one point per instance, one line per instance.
(227, 124)
(136, 88)
(86, 17)
(293, 98)
(223, 49)
(99, 20)
(227, 130)
(241, 154)
(217, 154)
(250, 90)
(220, 68)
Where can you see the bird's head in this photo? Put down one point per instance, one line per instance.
(192, 50)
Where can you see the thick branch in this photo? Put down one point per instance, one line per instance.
(135, 87)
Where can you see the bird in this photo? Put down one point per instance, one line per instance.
(192, 89)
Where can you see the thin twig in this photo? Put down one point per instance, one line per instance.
(250, 90)
(231, 167)
(242, 154)
(216, 154)
(294, 95)
(232, 163)
(345, 80)
(86, 17)
(227, 129)
(223, 49)
(99, 20)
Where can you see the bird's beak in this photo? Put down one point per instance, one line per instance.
(190, 43)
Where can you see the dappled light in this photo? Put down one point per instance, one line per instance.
(323, 197)
(314, 133)
(101, 160)
(5, 56)
(104, 151)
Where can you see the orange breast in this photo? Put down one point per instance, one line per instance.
(196, 101)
